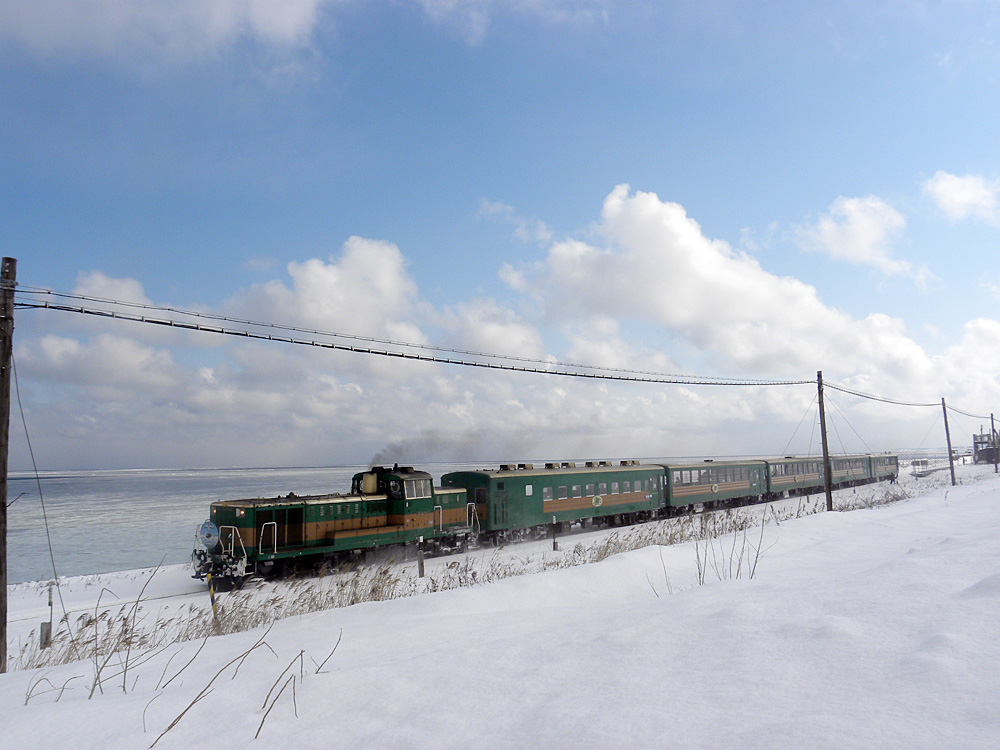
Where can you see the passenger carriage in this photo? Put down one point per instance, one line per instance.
(794, 475)
(520, 496)
(850, 471)
(884, 466)
(714, 482)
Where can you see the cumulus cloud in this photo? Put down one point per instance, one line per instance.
(861, 231)
(970, 196)
(108, 362)
(175, 30)
(484, 326)
(657, 266)
(365, 290)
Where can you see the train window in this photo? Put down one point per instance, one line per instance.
(528, 489)
(577, 490)
(615, 489)
(417, 488)
(626, 487)
(562, 492)
(546, 493)
(590, 490)
(602, 488)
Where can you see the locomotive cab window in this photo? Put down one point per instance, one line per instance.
(546, 493)
(417, 488)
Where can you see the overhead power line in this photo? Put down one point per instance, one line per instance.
(871, 397)
(897, 402)
(31, 297)
(489, 361)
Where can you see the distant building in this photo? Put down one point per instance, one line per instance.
(984, 448)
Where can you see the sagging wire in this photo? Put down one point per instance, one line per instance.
(496, 360)
(795, 431)
(933, 425)
(848, 423)
(41, 499)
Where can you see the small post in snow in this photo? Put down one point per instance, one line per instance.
(420, 558)
(555, 544)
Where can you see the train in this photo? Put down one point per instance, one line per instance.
(400, 506)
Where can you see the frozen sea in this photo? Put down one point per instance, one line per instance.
(104, 521)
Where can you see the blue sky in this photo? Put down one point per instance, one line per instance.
(721, 188)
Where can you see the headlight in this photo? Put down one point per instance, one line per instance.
(208, 534)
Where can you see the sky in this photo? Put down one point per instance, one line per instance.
(724, 189)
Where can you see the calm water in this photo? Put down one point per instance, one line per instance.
(102, 521)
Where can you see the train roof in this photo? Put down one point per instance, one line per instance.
(404, 472)
(292, 499)
(563, 468)
(708, 463)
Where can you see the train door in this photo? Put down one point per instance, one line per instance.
(280, 527)
(500, 509)
(481, 504)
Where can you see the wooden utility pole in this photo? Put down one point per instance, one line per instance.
(947, 435)
(8, 277)
(827, 470)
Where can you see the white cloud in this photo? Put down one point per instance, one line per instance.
(963, 197)
(483, 326)
(108, 363)
(100, 286)
(366, 290)
(471, 18)
(148, 32)
(860, 231)
(173, 30)
(657, 266)
(527, 230)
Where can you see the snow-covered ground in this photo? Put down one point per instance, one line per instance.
(865, 629)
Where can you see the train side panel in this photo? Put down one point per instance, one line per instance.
(795, 474)
(523, 498)
(711, 481)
